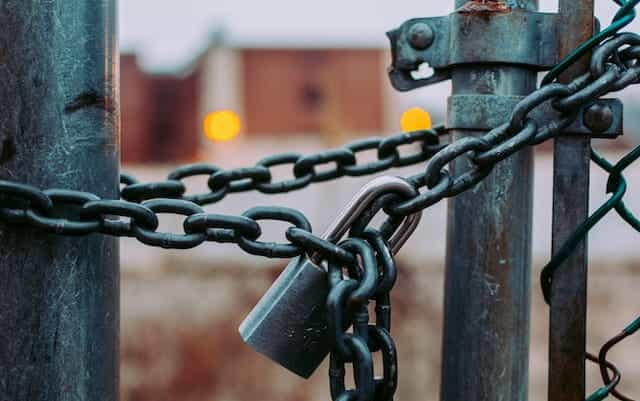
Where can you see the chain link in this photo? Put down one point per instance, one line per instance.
(628, 62)
(304, 169)
(614, 65)
(347, 306)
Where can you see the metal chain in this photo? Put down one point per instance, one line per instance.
(615, 64)
(347, 306)
(623, 51)
(304, 169)
(628, 60)
(74, 213)
(607, 75)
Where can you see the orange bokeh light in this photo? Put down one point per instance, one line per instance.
(415, 119)
(222, 126)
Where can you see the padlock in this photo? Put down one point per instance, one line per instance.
(289, 324)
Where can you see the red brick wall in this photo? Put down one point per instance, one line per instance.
(175, 126)
(300, 91)
(286, 92)
(135, 110)
(160, 120)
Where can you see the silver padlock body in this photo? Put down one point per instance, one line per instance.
(288, 324)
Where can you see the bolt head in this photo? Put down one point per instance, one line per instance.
(598, 118)
(420, 36)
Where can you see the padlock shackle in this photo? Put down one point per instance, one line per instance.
(363, 199)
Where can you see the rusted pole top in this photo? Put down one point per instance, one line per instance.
(497, 5)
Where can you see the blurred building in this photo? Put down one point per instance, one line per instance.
(276, 90)
(298, 91)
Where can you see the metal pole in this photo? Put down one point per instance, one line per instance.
(487, 282)
(568, 316)
(59, 126)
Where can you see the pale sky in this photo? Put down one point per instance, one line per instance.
(168, 34)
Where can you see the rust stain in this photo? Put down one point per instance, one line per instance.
(89, 99)
(485, 7)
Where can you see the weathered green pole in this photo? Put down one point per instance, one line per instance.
(485, 355)
(59, 128)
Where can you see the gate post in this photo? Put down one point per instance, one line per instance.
(59, 128)
(568, 302)
(485, 352)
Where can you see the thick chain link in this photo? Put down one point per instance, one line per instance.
(304, 169)
(347, 306)
(135, 214)
(614, 66)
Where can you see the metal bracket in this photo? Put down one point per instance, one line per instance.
(477, 33)
(602, 118)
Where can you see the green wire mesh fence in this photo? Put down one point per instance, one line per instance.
(617, 187)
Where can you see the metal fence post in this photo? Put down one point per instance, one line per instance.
(568, 313)
(59, 126)
(488, 269)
